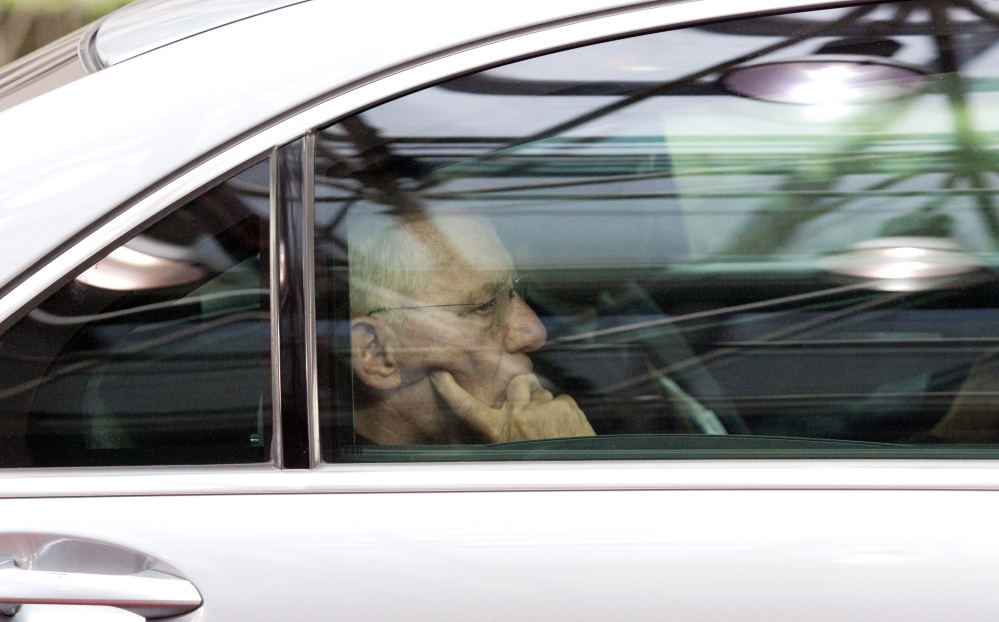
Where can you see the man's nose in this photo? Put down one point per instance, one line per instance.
(524, 331)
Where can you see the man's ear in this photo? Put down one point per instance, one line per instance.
(372, 353)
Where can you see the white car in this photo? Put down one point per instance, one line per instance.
(239, 240)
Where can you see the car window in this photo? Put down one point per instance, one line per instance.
(762, 237)
(158, 353)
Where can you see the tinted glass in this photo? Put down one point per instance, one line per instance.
(763, 237)
(159, 353)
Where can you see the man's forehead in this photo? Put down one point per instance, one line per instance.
(463, 257)
(457, 243)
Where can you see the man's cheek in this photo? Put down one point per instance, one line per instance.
(481, 385)
(425, 346)
(436, 325)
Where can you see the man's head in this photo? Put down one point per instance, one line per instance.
(432, 294)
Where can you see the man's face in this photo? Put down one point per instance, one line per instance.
(484, 341)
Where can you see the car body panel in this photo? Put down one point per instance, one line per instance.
(637, 555)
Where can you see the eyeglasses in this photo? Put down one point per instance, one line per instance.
(495, 306)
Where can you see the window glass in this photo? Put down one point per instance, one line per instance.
(763, 237)
(158, 353)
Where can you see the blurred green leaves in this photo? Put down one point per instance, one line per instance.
(96, 7)
(26, 25)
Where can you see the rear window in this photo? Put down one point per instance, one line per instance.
(158, 353)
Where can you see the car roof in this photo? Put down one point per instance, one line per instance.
(138, 28)
(150, 24)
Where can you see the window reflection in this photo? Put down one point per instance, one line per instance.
(159, 353)
(708, 258)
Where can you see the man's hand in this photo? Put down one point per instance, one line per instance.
(529, 411)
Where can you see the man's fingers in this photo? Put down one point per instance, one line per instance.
(528, 412)
(457, 398)
(542, 395)
(521, 389)
(460, 401)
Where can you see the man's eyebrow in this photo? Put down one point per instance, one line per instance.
(490, 290)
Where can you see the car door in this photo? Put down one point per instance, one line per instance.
(181, 409)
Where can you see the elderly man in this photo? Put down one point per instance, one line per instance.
(440, 338)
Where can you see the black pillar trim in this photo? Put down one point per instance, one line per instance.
(292, 269)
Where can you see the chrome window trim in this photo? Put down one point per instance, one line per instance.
(846, 475)
(340, 103)
(277, 439)
(309, 272)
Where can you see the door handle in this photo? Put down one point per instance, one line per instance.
(150, 594)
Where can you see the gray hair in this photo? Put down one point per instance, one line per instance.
(385, 261)
(392, 258)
